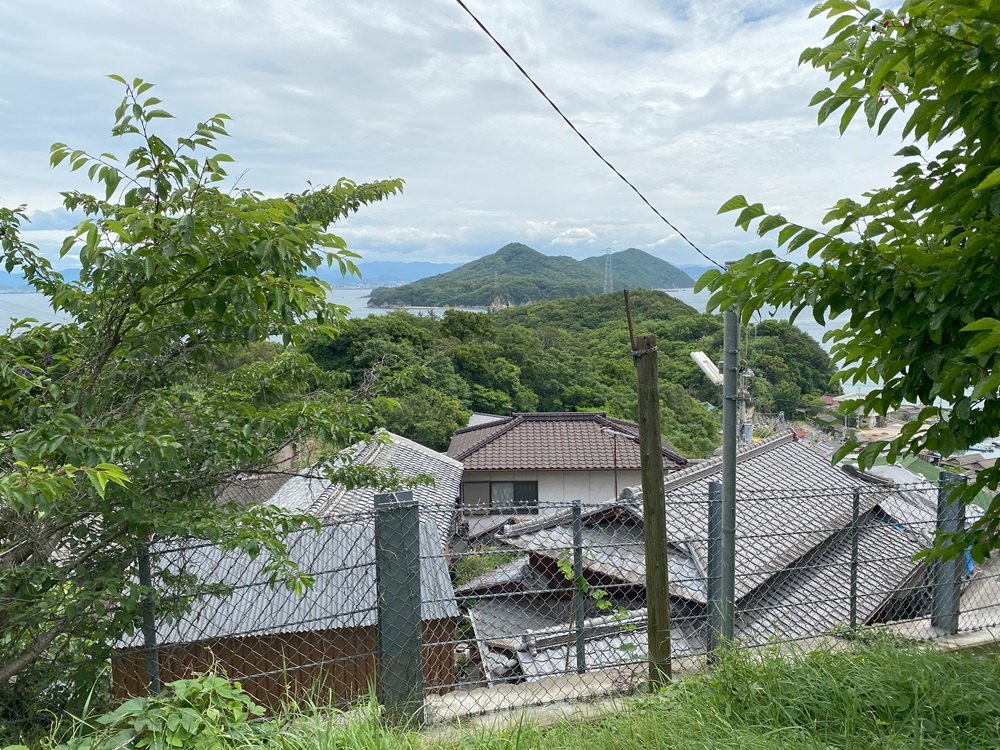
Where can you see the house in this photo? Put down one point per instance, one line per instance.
(279, 644)
(312, 492)
(323, 643)
(530, 462)
(794, 557)
(864, 420)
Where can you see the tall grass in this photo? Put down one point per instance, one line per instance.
(870, 696)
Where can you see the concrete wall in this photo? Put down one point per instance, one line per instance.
(559, 488)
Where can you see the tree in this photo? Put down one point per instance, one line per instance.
(122, 426)
(914, 265)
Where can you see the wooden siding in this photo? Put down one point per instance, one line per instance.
(324, 666)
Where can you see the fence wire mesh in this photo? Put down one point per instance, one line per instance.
(549, 605)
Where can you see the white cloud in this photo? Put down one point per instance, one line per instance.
(574, 236)
(694, 101)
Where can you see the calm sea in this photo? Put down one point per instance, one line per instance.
(31, 305)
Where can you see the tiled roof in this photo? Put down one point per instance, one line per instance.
(613, 547)
(312, 492)
(813, 595)
(341, 558)
(566, 441)
(789, 500)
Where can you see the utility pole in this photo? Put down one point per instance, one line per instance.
(608, 280)
(654, 511)
(730, 383)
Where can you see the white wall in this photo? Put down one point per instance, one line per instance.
(560, 488)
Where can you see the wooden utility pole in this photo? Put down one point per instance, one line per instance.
(654, 511)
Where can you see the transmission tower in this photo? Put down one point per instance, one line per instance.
(609, 285)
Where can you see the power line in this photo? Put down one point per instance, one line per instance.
(582, 137)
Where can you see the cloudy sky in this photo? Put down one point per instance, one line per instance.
(694, 101)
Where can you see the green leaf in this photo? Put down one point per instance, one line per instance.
(748, 214)
(737, 201)
(991, 180)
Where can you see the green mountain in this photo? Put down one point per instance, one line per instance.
(516, 275)
(635, 268)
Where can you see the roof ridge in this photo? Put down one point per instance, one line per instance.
(484, 425)
(401, 441)
(711, 465)
(515, 420)
(550, 415)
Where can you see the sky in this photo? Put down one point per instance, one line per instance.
(693, 101)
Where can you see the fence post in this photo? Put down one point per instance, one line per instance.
(578, 602)
(397, 580)
(855, 512)
(714, 572)
(148, 611)
(946, 575)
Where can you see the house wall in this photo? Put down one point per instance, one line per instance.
(325, 666)
(559, 488)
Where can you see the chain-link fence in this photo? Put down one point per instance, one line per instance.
(520, 608)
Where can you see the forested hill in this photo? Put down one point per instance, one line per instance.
(517, 274)
(635, 268)
(562, 355)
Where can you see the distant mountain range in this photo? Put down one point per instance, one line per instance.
(517, 274)
(377, 272)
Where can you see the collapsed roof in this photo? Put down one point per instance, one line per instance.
(793, 562)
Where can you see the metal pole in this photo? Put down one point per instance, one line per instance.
(714, 570)
(614, 450)
(654, 512)
(855, 510)
(397, 577)
(730, 383)
(578, 603)
(946, 575)
(148, 611)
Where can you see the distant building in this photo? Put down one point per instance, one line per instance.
(530, 462)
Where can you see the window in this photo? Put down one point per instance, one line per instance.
(504, 497)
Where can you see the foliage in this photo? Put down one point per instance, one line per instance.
(121, 426)
(914, 264)
(559, 355)
(480, 561)
(880, 696)
(517, 275)
(203, 713)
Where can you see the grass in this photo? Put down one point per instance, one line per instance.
(870, 696)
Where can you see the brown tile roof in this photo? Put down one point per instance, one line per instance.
(567, 441)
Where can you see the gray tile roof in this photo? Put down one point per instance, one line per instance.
(613, 546)
(560, 441)
(527, 637)
(813, 595)
(913, 501)
(341, 558)
(789, 500)
(312, 492)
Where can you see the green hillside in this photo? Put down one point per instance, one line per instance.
(516, 275)
(634, 268)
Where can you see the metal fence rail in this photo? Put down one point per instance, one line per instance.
(542, 603)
